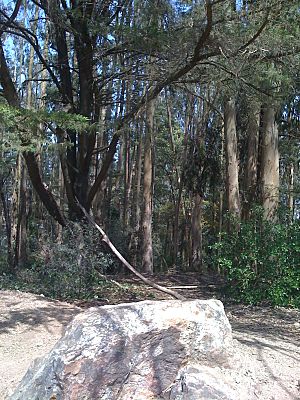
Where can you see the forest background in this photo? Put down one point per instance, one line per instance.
(176, 124)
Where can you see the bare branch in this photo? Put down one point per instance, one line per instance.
(233, 74)
(106, 239)
(151, 94)
(13, 16)
(25, 34)
(254, 37)
(205, 34)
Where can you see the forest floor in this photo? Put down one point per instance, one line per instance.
(268, 339)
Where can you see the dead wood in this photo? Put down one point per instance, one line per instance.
(115, 251)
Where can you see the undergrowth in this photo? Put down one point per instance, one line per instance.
(74, 268)
(261, 261)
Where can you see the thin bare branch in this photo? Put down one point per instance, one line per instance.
(13, 16)
(255, 36)
(106, 239)
(205, 34)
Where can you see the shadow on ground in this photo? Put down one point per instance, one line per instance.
(32, 311)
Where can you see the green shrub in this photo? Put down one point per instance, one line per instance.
(71, 269)
(261, 262)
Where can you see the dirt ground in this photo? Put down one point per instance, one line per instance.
(268, 339)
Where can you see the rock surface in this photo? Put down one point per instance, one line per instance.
(140, 351)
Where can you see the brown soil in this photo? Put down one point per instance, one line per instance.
(268, 339)
(29, 327)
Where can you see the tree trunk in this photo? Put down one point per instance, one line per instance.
(12, 98)
(7, 219)
(20, 218)
(180, 181)
(196, 230)
(177, 201)
(101, 141)
(147, 251)
(232, 184)
(21, 239)
(61, 191)
(126, 172)
(291, 202)
(121, 92)
(136, 208)
(129, 158)
(252, 159)
(269, 165)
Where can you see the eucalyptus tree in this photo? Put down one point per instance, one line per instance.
(81, 30)
(232, 172)
(107, 62)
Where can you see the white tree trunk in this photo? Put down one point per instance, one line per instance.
(147, 251)
(232, 171)
(269, 165)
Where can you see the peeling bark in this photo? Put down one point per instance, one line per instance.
(232, 187)
(147, 250)
(269, 165)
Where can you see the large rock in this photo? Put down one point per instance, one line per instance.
(147, 350)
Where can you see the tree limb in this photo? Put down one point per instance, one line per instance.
(151, 94)
(255, 36)
(13, 16)
(205, 34)
(106, 239)
(33, 41)
(43, 192)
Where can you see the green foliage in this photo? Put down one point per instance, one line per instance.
(72, 269)
(10, 117)
(69, 269)
(261, 262)
(23, 127)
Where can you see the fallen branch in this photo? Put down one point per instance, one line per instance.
(106, 239)
(109, 280)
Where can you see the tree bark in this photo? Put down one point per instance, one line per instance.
(252, 158)
(99, 206)
(18, 215)
(232, 184)
(7, 219)
(291, 200)
(196, 230)
(269, 165)
(136, 208)
(147, 250)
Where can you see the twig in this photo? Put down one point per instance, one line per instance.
(109, 280)
(106, 239)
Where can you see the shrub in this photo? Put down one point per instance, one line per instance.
(261, 262)
(70, 269)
